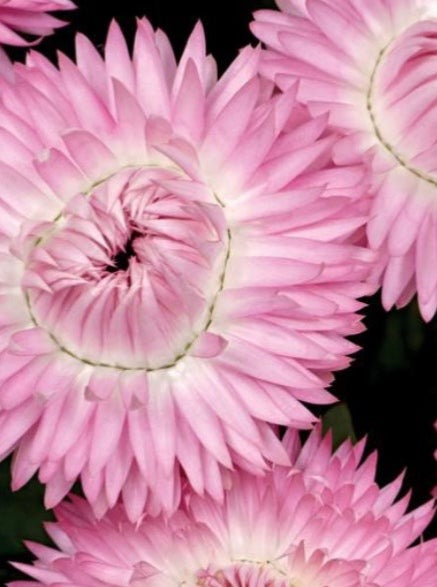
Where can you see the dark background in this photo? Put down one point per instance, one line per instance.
(390, 392)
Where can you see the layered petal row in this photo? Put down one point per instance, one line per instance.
(29, 17)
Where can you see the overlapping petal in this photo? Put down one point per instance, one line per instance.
(177, 270)
(320, 521)
(376, 81)
(29, 17)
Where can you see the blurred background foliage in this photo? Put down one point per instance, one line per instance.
(390, 391)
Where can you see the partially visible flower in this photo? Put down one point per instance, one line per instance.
(434, 491)
(29, 17)
(371, 66)
(176, 272)
(321, 522)
(6, 69)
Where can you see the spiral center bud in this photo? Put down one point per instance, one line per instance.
(128, 276)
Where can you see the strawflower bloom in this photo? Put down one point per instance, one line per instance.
(370, 65)
(176, 273)
(321, 522)
(29, 17)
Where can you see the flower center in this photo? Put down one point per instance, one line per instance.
(129, 275)
(121, 260)
(244, 574)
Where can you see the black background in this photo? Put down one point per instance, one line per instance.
(391, 389)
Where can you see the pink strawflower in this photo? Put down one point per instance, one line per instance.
(321, 522)
(370, 65)
(29, 17)
(175, 273)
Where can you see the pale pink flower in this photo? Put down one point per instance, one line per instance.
(29, 17)
(175, 270)
(321, 522)
(371, 65)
